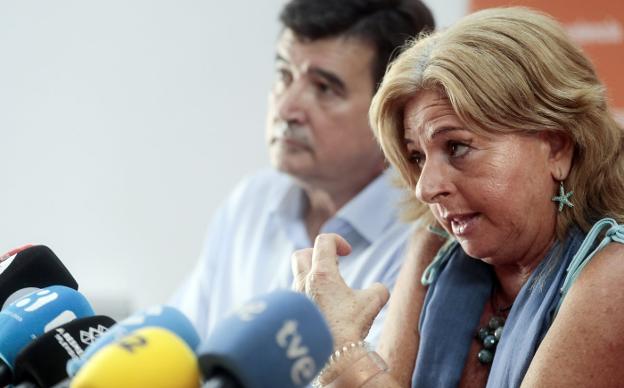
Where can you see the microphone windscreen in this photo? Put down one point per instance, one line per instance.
(149, 357)
(37, 313)
(4, 259)
(63, 384)
(43, 360)
(30, 269)
(160, 316)
(277, 340)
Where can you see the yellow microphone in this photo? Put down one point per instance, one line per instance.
(150, 357)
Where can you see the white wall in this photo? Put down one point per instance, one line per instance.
(124, 124)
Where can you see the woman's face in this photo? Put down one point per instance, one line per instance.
(492, 193)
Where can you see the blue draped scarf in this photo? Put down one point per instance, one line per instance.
(454, 305)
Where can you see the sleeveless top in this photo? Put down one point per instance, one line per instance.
(460, 287)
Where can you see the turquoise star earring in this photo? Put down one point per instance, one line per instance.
(563, 197)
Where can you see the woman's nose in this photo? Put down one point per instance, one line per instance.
(434, 183)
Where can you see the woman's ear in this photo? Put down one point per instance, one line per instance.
(561, 151)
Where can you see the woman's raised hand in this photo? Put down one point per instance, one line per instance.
(349, 313)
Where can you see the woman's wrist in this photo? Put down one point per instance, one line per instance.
(350, 366)
(340, 359)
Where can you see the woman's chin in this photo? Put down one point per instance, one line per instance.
(473, 249)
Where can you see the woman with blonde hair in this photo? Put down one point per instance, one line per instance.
(500, 127)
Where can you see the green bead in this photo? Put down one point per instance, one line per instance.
(496, 322)
(498, 333)
(490, 342)
(485, 356)
(482, 333)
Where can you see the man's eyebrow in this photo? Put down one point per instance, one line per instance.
(331, 78)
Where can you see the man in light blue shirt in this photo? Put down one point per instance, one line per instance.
(331, 175)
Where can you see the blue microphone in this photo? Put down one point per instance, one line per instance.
(280, 339)
(33, 315)
(165, 317)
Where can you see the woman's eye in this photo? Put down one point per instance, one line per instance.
(457, 149)
(417, 159)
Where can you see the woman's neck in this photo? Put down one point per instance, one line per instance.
(511, 277)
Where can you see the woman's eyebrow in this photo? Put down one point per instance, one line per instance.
(432, 132)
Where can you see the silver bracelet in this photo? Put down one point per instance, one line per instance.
(333, 359)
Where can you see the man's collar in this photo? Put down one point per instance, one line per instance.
(374, 208)
(369, 212)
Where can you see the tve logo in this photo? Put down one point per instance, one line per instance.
(304, 367)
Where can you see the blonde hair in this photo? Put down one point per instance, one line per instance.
(512, 69)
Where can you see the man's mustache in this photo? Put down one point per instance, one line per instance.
(283, 130)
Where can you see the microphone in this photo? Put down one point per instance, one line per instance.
(29, 268)
(149, 357)
(280, 339)
(43, 361)
(160, 316)
(63, 384)
(12, 253)
(31, 316)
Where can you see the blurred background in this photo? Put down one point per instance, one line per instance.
(124, 124)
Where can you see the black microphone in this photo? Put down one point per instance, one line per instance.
(42, 363)
(63, 384)
(30, 269)
(221, 379)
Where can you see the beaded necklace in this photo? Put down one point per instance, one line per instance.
(490, 335)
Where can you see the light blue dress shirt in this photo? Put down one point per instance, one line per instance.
(253, 235)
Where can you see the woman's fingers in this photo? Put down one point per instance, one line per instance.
(327, 248)
(301, 263)
(349, 313)
(374, 298)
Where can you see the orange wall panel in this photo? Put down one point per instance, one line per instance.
(598, 26)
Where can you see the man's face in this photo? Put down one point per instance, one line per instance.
(317, 127)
